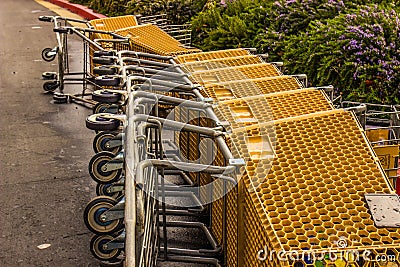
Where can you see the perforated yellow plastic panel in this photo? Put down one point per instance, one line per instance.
(220, 63)
(200, 56)
(250, 87)
(388, 156)
(235, 73)
(246, 111)
(112, 24)
(151, 39)
(307, 169)
(313, 195)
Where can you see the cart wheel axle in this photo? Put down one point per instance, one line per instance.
(49, 54)
(50, 86)
(92, 216)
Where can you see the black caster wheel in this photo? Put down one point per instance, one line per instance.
(116, 263)
(95, 171)
(107, 81)
(103, 70)
(101, 108)
(103, 60)
(50, 86)
(92, 216)
(48, 55)
(105, 96)
(60, 98)
(100, 141)
(62, 30)
(46, 18)
(99, 251)
(101, 190)
(96, 123)
(49, 75)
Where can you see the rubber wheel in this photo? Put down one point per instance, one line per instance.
(98, 251)
(116, 263)
(103, 70)
(49, 76)
(93, 211)
(101, 108)
(97, 174)
(101, 190)
(62, 30)
(100, 140)
(46, 56)
(106, 81)
(103, 60)
(105, 96)
(60, 98)
(93, 122)
(106, 53)
(50, 86)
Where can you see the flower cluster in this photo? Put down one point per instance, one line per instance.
(358, 53)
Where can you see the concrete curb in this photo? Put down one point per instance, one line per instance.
(81, 10)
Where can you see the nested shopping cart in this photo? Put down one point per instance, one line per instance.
(276, 175)
(97, 36)
(258, 129)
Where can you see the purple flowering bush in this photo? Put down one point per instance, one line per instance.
(358, 53)
(263, 24)
(291, 17)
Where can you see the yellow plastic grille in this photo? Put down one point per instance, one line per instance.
(217, 206)
(264, 108)
(314, 192)
(255, 234)
(235, 73)
(306, 186)
(250, 87)
(217, 212)
(112, 24)
(151, 39)
(200, 56)
(232, 228)
(220, 63)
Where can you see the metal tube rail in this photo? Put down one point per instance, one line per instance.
(87, 39)
(219, 139)
(140, 61)
(143, 54)
(130, 79)
(52, 18)
(175, 125)
(133, 248)
(141, 166)
(155, 71)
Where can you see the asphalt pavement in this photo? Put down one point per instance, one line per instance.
(44, 150)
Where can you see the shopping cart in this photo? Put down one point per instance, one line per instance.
(266, 163)
(99, 35)
(65, 75)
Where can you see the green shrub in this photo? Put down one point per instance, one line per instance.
(235, 24)
(178, 11)
(109, 7)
